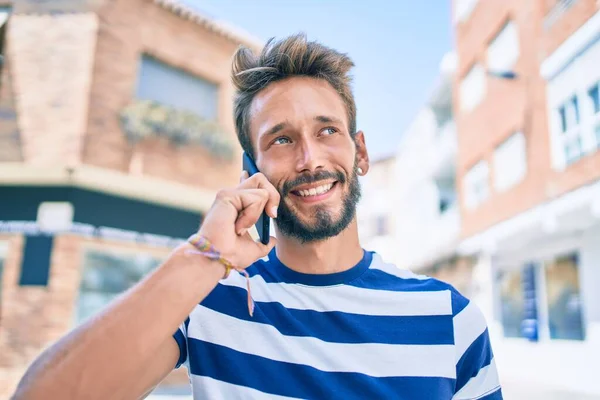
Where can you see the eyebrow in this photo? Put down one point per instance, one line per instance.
(274, 129)
(319, 118)
(326, 119)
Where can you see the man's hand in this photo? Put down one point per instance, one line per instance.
(234, 212)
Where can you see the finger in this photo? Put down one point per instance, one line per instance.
(249, 216)
(252, 204)
(259, 180)
(264, 249)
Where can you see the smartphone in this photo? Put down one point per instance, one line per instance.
(263, 224)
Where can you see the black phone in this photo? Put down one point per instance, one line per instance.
(263, 225)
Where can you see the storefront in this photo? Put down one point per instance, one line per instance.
(65, 253)
(537, 278)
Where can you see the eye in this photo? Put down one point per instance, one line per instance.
(281, 140)
(329, 131)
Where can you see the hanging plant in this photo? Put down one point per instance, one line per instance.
(144, 118)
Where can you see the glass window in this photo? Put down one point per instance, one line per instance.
(569, 114)
(176, 88)
(106, 275)
(594, 93)
(510, 162)
(512, 302)
(564, 298)
(503, 51)
(472, 88)
(570, 129)
(573, 150)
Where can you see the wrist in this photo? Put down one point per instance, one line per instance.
(203, 267)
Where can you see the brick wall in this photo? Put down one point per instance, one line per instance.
(35, 317)
(510, 106)
(51, 58)
(128, 29)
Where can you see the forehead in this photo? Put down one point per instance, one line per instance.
(295, 101)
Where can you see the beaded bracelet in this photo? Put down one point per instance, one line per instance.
(205, 248)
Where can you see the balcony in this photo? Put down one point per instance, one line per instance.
(443, 152)
(434, 240)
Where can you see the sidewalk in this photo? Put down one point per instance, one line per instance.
(520, 391)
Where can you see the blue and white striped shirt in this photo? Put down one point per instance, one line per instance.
(374, 331)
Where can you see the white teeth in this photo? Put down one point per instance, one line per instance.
(315, 191)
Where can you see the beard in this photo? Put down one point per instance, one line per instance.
(323, 223)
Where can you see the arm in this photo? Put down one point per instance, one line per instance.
(128, 348)
(107, 353)
(476, 373)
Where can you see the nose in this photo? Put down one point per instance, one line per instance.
(310, 156)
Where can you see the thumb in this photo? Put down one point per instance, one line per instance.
(264, 249)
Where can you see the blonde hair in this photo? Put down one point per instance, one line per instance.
(292, 56)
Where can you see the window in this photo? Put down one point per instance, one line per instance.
(510, 162)
(570, 130)
(472, 88)
(463, 9)
(564, 298)
(503, 51)
(512, 302)
(594, 95)
(476, 185)
(446, 193)
(553, 289)
(106, 275)
(176, 88)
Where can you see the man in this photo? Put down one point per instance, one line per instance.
(330, 319)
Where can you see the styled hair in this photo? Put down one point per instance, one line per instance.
(281, 59)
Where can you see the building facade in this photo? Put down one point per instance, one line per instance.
(410, 212)
(375, 212)
(527, 107)
(116, 130)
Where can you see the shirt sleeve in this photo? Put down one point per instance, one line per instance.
(180, 337)
(476, 374)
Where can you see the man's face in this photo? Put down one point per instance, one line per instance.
(299, 129)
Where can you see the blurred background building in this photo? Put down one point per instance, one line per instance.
(497, 186)
(116, 130)
(529, 167)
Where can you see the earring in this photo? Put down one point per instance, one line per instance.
(360, 171)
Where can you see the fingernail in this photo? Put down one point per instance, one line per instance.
(274, 211)
(242, 231)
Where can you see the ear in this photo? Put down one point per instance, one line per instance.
(362, 156)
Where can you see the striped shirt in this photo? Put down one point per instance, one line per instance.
(374, 331)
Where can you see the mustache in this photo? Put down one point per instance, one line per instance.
(311, 178)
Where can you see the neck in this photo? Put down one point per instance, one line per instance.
(336, 254)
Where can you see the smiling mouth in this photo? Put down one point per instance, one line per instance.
(315, 191)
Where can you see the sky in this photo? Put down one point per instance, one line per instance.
(396, 45)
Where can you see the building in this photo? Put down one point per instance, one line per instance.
(428, 223)
(116, 130)
(527, 109)
(375, 212)
(410, 213)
